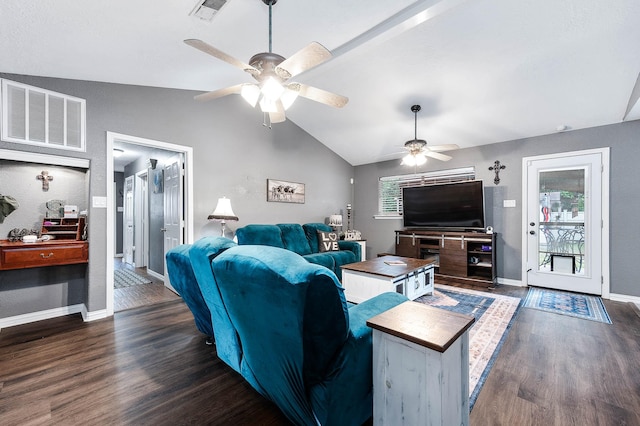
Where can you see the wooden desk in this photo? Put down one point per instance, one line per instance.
(420, 366)
(19, 255)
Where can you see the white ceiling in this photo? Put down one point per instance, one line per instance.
(484, 71)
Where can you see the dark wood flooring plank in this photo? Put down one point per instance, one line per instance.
(149, 365)
(144, 366)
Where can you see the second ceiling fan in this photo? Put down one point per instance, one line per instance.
(273, 91)
(418, 149)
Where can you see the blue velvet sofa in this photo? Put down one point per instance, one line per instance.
(283, 323)
(301, 239)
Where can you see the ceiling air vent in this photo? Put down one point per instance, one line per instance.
(207, 9)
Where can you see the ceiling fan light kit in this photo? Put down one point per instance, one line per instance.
(272, 92)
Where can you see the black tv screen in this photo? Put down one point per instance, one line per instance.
(452, 205)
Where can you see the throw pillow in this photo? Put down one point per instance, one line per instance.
(328, 241)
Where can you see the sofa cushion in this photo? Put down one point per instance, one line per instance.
(294, 238)
(327, 241)
(201, 253)
(183, 280)
(311, 231)
(264, 235)
(321, 259)
(291, 318)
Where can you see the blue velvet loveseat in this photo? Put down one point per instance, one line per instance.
(304, 240)
(284, 324)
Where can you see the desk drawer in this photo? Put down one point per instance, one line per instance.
(32, 257)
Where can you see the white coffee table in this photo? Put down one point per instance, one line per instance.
(404, 275)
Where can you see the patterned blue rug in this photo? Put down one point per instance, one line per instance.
(494, 316)
(566, 303)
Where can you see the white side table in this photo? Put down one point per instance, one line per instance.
(420, 366)
(367, 279)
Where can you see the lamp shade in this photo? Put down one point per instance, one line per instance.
(335, 220)
(223, 210)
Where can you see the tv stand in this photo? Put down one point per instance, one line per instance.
(468, 257)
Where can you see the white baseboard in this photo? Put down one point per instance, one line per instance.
(93, 315)
(155, 274)
(41, 315)
(53, 313)
(625, 298)
(507, 281)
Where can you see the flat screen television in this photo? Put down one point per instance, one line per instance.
(452, 205)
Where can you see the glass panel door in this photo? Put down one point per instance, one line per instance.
(561, 224)
(564, 232)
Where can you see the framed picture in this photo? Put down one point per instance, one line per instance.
(158, 181)
(282, 191)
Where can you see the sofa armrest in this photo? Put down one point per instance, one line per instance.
(351, 246)
(347, 391)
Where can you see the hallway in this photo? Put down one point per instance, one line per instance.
(140, 295)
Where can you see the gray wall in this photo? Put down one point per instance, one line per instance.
(234, 155)
(624, 201)
(59, 286)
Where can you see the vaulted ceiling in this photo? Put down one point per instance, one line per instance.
(484, 71)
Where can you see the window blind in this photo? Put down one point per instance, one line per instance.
(390, 187)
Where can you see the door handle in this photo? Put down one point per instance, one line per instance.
(163, 229)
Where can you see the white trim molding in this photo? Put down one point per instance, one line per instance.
(42, 315)
(508, 281)
(624, 298)
(187, 151)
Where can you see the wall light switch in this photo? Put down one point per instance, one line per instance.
(508, 203)
(99, 202)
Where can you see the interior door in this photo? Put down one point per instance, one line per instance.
(128, 244)
(173, 208)
(564, 222)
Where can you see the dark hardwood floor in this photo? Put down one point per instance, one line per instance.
(140, 295)
(149, 365)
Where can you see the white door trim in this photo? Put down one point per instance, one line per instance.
(604, 152)
(141, 218)
(188, 199)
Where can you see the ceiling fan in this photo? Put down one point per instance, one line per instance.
(418, 151)
(273, 91)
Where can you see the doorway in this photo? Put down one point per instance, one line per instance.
(565, 215)
(186, 204)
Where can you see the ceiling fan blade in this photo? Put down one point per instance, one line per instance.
(207, 48)
(445, 147)
(319, 95)
(304, 59)
(232, 90)
(437, 155)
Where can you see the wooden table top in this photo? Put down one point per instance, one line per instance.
(423, 325)
(384, 266)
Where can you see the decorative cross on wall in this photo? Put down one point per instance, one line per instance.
(497, 167)
(45, 178)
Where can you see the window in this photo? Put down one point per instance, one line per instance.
(390, 187)
(41, 117)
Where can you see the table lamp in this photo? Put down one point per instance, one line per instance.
(223, 212)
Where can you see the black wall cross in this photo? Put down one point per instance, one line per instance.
(497, 167)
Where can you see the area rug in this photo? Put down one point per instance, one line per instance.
(123, 278)
(566, 303)
(494, 315)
